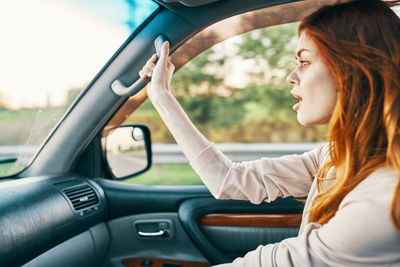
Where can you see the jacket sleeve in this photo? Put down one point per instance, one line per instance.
(264, 179)
(259, 180)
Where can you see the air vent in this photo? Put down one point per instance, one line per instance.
(82, 196)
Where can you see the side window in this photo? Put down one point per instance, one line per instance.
(237, 95)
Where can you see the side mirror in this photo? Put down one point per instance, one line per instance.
(127, 150)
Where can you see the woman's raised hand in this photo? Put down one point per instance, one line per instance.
(161, 73)
(190, 140)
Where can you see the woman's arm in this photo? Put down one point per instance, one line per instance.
(258, 180)
(189, 139)
(264, 179)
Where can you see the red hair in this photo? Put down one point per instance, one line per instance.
(360, 42)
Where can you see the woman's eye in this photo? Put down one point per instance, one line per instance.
(303, 63)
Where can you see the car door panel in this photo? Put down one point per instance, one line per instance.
(224, 242)
(127, 244)
(249, 230)
(196, 238)
(236, 241)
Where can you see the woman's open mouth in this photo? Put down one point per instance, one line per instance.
(297, 105)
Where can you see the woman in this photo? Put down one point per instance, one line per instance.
(348, 76)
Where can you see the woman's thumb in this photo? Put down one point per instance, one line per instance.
(164, 51)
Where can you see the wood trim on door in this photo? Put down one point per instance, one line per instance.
(252, 220)
(153, 262)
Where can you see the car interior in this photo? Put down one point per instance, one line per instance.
(68, 207)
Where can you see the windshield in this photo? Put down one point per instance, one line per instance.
(50, 51)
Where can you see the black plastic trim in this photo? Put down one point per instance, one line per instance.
(127, 199)
(219, 10)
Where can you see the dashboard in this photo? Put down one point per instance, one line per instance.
(38, 213)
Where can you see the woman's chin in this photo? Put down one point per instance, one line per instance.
(307, 121)
(304, 123)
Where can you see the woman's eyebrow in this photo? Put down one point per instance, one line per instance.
(298, 53)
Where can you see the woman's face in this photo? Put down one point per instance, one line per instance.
(313, 85)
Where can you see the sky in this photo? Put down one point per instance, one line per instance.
(50, 46)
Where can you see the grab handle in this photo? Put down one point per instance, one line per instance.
(118, 86)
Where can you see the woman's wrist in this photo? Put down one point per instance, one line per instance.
(161, 96)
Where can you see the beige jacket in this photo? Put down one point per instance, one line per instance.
(360, 234)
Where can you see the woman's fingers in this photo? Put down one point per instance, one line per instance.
(164, 53)
(148, 68)
(152, 60)
(142, 75)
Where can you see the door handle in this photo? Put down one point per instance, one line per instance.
(154, 228)
(153, 234)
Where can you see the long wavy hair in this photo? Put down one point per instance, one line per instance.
(360, 42)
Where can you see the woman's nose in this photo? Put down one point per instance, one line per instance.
(292, 78)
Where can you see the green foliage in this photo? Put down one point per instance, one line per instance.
(275, 44)
(226, 111)
(168, 174)
(28, 126)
